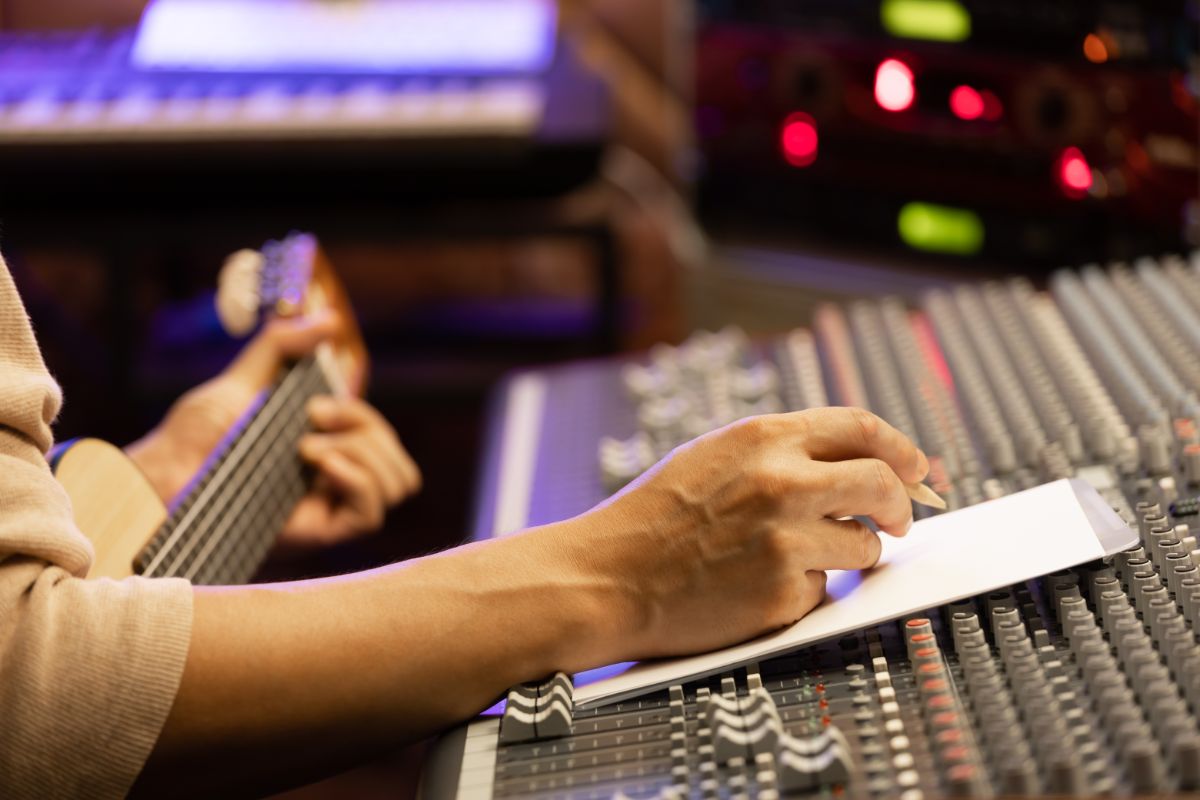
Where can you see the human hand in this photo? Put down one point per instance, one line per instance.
(730, 535)
(362, 469)
(361, 466)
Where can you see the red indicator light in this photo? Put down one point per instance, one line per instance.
(894, 85)
(966, 103)
(992, 110)
(1074, 172)
(798, 139)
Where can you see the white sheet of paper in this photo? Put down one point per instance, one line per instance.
(942, 559)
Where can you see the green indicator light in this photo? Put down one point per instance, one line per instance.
(934, 20)
(940, 229)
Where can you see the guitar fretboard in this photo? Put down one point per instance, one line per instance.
(223, 527)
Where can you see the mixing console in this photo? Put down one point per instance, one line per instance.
(1078, 683)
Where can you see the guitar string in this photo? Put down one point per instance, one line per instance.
(181, 541)
(250, 545)
(239, 557)
(261, 470)
(244, 442)
(241, 554)
(255, 549)
(231, 494)
(285, 485)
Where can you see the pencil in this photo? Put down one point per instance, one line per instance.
(922, 494)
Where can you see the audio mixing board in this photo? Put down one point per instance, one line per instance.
(1078, 683)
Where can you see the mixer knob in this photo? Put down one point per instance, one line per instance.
(1001, 453)
(1072, 441)
(653, 380)
(1155, 449)
(1144, 767)
(963, 780)
(1167, 489)
(1018, 777)
(1186, 756)
(659, 413)
(753, 383)
(1101, 438)
(1191, 464)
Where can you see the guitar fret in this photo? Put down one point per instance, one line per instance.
(268, 514)
(237, 562)
(182, 505)
(219, 507)
(253, 495)
(250, 480)
(283, 478)
(258, 447)
(211, 484)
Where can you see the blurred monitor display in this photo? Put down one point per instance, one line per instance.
(387, 36)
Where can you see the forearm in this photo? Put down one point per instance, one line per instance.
(288, 682)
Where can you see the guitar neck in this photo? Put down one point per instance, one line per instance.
(223, 527)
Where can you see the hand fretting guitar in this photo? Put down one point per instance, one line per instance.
(222, 526)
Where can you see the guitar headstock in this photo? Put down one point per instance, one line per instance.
(285, 278)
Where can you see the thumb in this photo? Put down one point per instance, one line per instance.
(282, 338)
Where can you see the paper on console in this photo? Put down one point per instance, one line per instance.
(942, 559)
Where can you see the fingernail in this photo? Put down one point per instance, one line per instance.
(908, 526)
(924, 464)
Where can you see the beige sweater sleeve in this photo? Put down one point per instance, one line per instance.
(88, 669)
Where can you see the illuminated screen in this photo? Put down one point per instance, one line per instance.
(391, 36)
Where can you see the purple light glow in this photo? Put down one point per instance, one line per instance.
(600, 673)
(842, 583)
(386, 36)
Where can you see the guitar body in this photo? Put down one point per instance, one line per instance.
(114, 505)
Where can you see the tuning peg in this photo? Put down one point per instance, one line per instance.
(239, 292)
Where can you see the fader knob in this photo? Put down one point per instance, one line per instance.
(1155, 449)
(1191, 464)
(1067, 777)
(1018, 777)
(1187, 762)
(963, 781)
(1144, 766)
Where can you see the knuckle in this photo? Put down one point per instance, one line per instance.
(772, 485)
(883, 480)
(866, 424)
(802, 422)
(756, 429)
